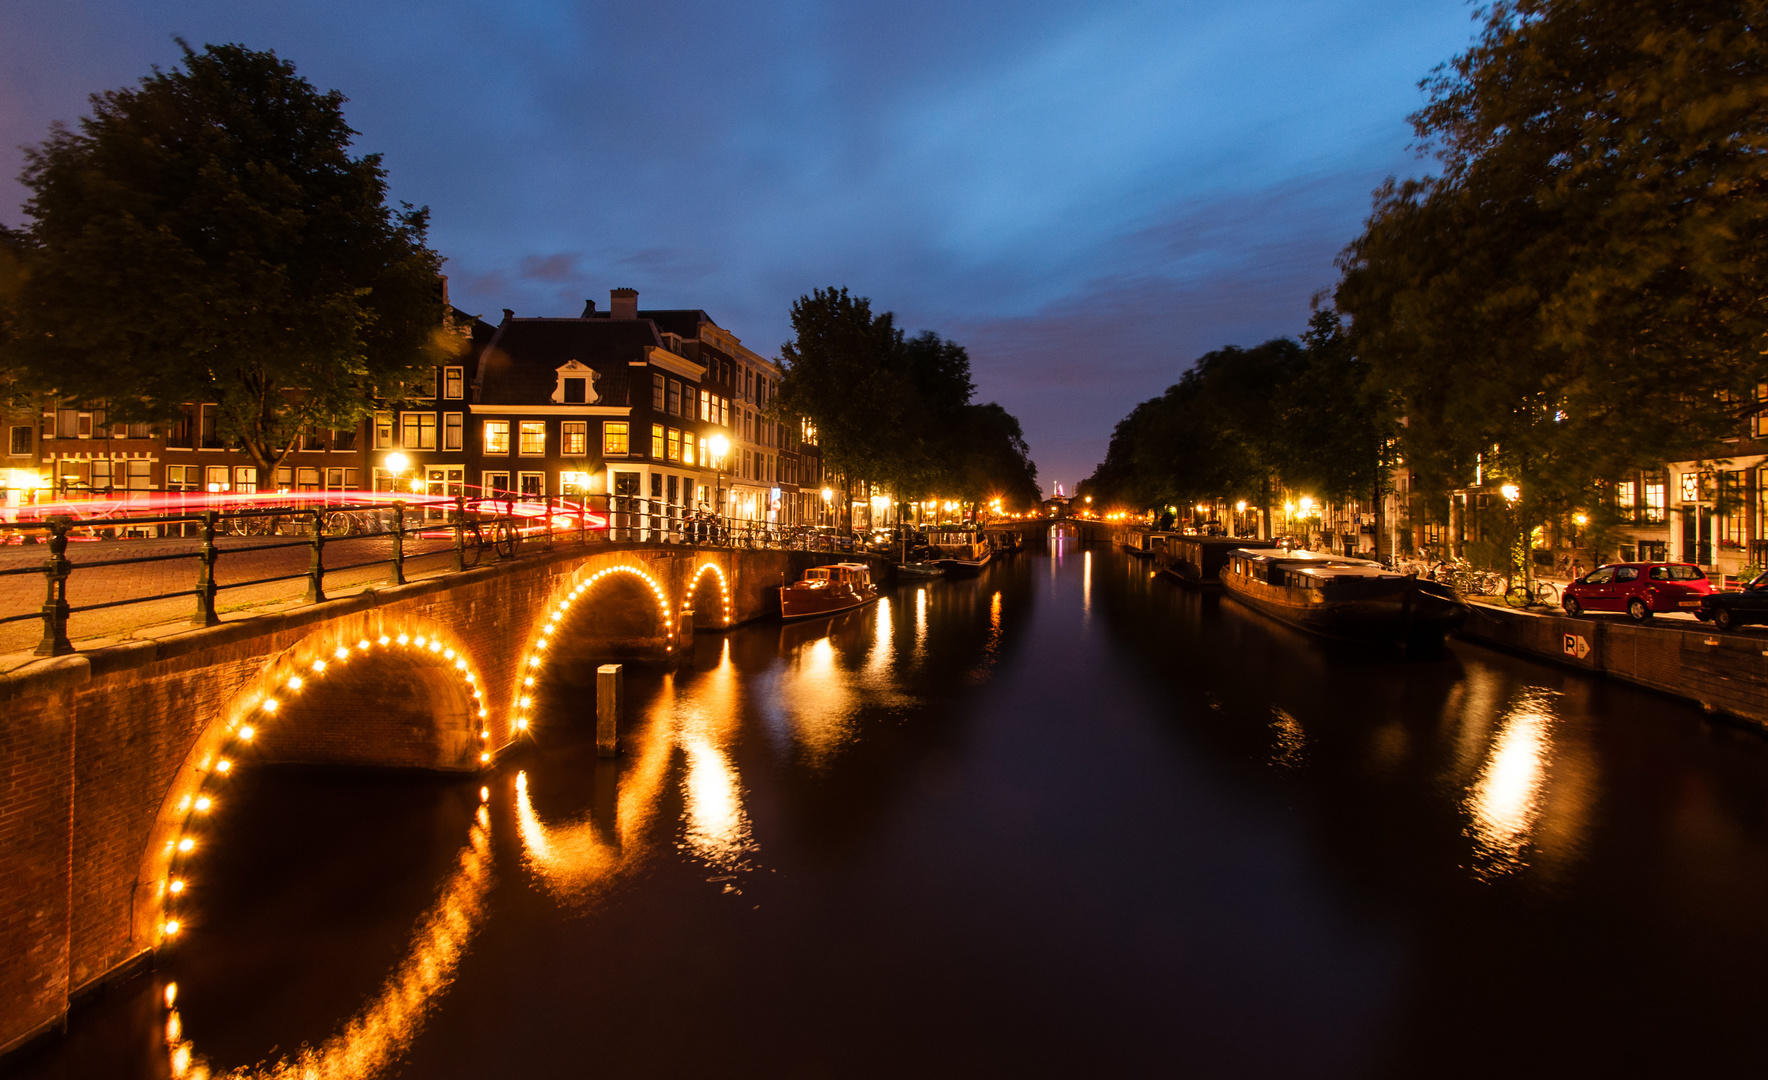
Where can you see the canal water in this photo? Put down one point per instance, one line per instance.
(1062, 819)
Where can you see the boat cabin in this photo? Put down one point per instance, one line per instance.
(851, 574)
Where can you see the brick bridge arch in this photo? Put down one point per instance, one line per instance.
(100, 750)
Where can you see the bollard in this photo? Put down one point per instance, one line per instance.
(205, 575)
(55, 609)
(316, 564)
(397, 576)
(610, 697)
(460, 533)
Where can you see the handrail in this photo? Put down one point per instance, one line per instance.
(500, 521)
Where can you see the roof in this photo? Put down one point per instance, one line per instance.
(520, 364)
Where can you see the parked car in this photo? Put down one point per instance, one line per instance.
(1731, 609)
(1639, 589)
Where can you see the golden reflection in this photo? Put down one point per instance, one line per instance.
(920, 621)
(1290, 740)
(818, 699)
(1507, 797)
(378, 1036)
(717, 828)
(1086, 584)
(883, 627)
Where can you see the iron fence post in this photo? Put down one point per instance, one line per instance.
(399, 541)
(549, 522)
(55, 607)
(316, 566)
(205, 575)
(460, 533)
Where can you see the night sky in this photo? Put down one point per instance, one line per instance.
(1087, 195)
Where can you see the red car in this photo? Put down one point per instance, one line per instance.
(1639, 589)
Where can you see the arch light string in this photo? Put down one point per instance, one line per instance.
(288, 680)
(724, 589)
(529, 671)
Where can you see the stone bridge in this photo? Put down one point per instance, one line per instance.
(114, 759)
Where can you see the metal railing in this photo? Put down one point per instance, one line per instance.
(503, 526)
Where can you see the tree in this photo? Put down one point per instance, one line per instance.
(1581, 290)
(208, 237)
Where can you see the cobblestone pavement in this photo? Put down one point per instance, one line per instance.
(174, 580)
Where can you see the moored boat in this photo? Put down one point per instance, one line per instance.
(825, 590)
(964, 551)
(1344, 598)
(920, 570)
(1198, 560)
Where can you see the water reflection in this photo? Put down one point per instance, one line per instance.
(1290, 740)
(378, 1036)
(1506, 799)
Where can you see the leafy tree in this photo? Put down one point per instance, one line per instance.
(208, 237)
(1580, 290)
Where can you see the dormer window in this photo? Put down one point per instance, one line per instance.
(576, 385)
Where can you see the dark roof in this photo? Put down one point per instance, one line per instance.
(520, 365)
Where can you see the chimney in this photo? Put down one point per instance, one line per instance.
(623, 303)
(508, 314)
(588, 310)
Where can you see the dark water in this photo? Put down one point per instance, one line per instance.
(1060, 820)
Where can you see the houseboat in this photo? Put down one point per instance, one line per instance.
(1198, 560)
(962, 552)
(825, 590)
(1142, 543)
(1343, 598)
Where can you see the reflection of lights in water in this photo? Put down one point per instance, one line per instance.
(1290, 741)
(818, 699)
(378, 1036)
(920, 620)
(1506, 798)
(883, 626)
(717, 828)
(1086, 582)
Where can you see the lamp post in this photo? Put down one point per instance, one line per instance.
(720, 446)
(396, 464)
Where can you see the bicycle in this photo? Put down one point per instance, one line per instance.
(1523, 594)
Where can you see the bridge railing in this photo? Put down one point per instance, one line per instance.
(501, 527)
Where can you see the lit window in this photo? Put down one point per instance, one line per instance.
(418, 431)
(573, 437)
(616, 435)
(497, 439)
(453, 430)
(453, 382)
(383, 429)
(656, 440)
(674, 445)
(533, 436)
(687, 448)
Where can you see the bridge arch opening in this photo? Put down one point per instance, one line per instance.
(387, 697)
(615, 613)
(709, 596)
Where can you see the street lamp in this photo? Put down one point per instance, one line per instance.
(396, 464)
(720, 446)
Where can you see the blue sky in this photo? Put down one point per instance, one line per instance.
(1087, 195)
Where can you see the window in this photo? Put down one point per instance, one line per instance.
(674, 406)
(1655, 503)
(533, 436)
(687, 448)
(706, 406)
(616, 435)
(21, 441)
(306, 479)
(657, 391)
(705, 458)
(245, 479)
(1690, 487)
(724, 411)
(334, 478)
(424, 386)
(183, 477)
(496, 483)
(690, 401)
(657, 440)
(533, 484)
(343, 439)
(1627, 500)
(656, 485)
(211, 435)
(674, 489)
(453, 431)
(674, 445)
(1631, 573)
(216, 478)
(139, 431)
(418, 431)
(497, 439)
(453, 383)
(574, 438)
(575, 391)
(101, 474)
(383, 429)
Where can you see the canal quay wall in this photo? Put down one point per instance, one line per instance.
(111, 760)
(1723, 673)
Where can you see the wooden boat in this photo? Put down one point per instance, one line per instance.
(920, 570)
(1140, 543)
(1198, 560)
(1343, 598)
(962, 552)
(825, 590)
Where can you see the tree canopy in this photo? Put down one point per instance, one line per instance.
(208, 236)
(897, 411)
(1582, 288)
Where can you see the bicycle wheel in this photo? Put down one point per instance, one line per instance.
(508, 539)
(472, 544)
(1546, 593)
